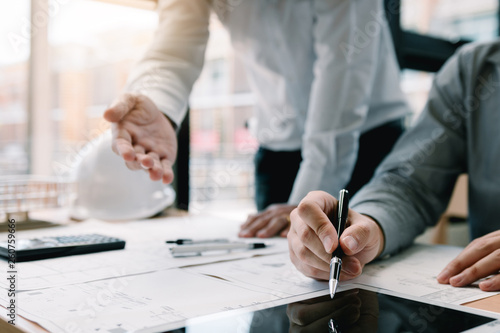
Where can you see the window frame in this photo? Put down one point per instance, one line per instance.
(417, 51)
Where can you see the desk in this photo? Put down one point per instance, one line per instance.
(24, 326)
(491, 303)
(153, 241)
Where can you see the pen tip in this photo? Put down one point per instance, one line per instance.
(333, 287)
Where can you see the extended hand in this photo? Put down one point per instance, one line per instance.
(143, 136)
(275, 219)
(312, 238)
(478, 260)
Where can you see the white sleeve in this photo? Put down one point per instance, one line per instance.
(347, 39)
(174, 61)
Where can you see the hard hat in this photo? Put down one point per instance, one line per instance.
(108, 190)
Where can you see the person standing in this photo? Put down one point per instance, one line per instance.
(326, 81)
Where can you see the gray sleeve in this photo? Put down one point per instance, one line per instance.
(413, 185)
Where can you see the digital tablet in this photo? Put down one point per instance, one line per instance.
(354, 310)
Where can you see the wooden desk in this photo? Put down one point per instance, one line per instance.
(23, 325)
(489, 304)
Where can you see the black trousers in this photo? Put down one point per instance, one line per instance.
(275, 171)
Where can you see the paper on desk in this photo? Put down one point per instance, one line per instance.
(413, 272)
(274, 274)
(145, 251)
(143, 301)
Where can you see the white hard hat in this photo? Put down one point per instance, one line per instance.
(108, 190)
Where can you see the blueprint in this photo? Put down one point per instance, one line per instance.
(145, 251)
(413, 272)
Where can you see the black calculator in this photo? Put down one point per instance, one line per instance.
(58, 246)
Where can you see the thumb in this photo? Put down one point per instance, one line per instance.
(364, 238)
(120, 107)
(356, 238)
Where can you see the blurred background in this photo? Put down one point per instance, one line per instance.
(62, 62)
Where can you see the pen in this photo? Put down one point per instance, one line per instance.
(336, 262)
(184, 241)
(332, 326)
(199, 249)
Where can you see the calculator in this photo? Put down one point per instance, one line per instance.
(59, 246)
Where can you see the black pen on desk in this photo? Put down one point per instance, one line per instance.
(336, 262)
(186, 241)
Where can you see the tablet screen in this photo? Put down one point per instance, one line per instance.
(355, 310)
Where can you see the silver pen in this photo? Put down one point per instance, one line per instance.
(336, 261)
(185, 241)
(186, 250)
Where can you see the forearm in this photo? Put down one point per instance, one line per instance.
(174, 61)
(402, 209)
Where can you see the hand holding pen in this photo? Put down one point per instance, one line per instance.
(313, 239)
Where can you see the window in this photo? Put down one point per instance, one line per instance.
(451, 19)
(14, 21)
(93, 45)
(428, 32)
(222, 149)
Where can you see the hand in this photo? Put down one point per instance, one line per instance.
(143, 136)
(312, 238)
(478, 260)
(273, 220)
(353, 311)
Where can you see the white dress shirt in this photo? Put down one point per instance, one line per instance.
(323, 72)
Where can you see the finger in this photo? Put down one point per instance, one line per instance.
(308, 237)
(273, 227)
(355, 238)
(122, 144)
(484, 267)
(492, 235)
(269, 213)
(139, 149)
(144, 160)
(491, 284)
(250, 219)
(156, 171)
(168, 172)
(256, 225)
(134, 165)
(363, 239)
(285, 231)
(313, 210)
(477, 249)
(120, 107)
(305, 260)
(351, 268)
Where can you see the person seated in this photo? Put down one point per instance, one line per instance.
(458, 132)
